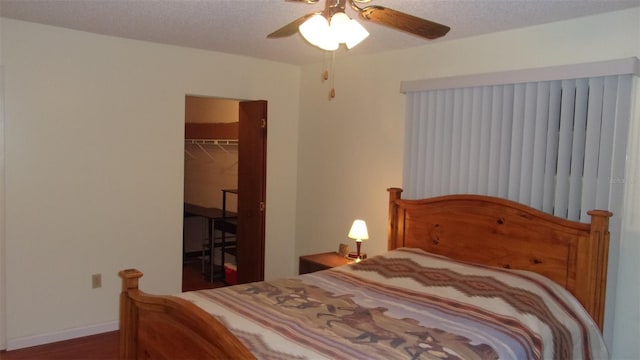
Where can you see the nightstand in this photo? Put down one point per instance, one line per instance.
(322, 261)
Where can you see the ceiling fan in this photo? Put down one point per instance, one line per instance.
(377, 14)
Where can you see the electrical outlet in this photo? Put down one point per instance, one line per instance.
(96, 281)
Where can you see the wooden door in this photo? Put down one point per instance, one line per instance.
(252, 170)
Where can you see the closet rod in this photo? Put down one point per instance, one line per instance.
(219, 142)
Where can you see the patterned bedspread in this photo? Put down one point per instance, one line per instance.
(407, 304)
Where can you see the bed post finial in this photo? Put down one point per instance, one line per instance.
(130, 278)
(128, 314)
(392, 227)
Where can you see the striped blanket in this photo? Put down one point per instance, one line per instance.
(407, 304)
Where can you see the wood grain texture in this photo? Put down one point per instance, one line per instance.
(472, 228)
(317, 262)
(167, 327)
(502, 233)
(95, 347)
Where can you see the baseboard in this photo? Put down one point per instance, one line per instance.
(19, 343)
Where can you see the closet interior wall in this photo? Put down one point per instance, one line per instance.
(210, 162)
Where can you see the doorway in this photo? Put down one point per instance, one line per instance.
(224, 191)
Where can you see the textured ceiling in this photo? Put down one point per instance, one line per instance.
(241, 26)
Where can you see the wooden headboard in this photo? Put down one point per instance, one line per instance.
(498, 232)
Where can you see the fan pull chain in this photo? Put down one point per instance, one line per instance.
(325, 67)
(332, 92)
(328, 66)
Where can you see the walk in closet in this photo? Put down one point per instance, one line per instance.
(225, 166)
(210, 187)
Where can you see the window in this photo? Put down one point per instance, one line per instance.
(555, 144)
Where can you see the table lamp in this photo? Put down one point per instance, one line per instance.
(358, 232)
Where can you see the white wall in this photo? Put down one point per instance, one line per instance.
(94, 155)
(2, 196)
(94, 168)
(626, 329)
(351, 148)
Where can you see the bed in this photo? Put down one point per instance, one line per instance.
(466, 276)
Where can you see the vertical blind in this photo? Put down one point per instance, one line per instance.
(550, 144)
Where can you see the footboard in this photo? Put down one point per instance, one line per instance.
(167, 327)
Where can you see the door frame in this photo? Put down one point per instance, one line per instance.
(252, 129)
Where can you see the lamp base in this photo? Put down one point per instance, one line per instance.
(354, 255)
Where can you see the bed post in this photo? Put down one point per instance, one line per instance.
(128, 314)
(392, 225)
(591, 284)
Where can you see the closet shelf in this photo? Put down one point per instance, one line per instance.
(219, 142)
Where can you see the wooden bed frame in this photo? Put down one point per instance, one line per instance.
(474, 228)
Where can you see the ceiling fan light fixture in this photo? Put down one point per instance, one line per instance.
(316, 27)
(329, 34)
(339, 24)
(355, 35)
(316, 30)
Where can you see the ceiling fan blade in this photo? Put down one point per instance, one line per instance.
(291, 28)
(405, 22)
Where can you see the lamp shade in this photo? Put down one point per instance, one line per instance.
(358, 230)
